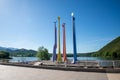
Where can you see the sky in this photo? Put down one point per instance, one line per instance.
(30, 23)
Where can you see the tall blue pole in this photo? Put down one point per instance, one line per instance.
(55, 44)
(74, 39)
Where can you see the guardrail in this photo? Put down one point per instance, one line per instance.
(83, 63)
(100, 63)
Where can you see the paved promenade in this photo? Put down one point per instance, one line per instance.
(23, 73)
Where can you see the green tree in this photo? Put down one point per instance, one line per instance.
(4, 54)
(118, 55)
(43, 54)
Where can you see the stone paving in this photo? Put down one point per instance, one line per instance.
(23, 73)
(113, 76)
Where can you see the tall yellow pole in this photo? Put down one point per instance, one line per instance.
(59, 58)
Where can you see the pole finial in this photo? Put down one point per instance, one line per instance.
(63, 24)
(72, 14)
(58, 17)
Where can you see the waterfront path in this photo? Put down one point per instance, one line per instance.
(24, 73)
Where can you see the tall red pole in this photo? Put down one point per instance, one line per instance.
(64, 43)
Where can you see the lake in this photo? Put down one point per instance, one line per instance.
(21, 59)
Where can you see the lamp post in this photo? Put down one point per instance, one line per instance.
(74, 39)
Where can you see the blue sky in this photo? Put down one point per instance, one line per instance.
(29, 23)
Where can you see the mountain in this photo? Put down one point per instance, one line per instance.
(19, 52)
(6, 49)
(111, 50)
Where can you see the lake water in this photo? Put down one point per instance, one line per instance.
(21, 59)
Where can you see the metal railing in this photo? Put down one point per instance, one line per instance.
(100, 63)
(84, 63)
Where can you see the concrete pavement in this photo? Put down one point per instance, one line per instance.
(23, 73)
